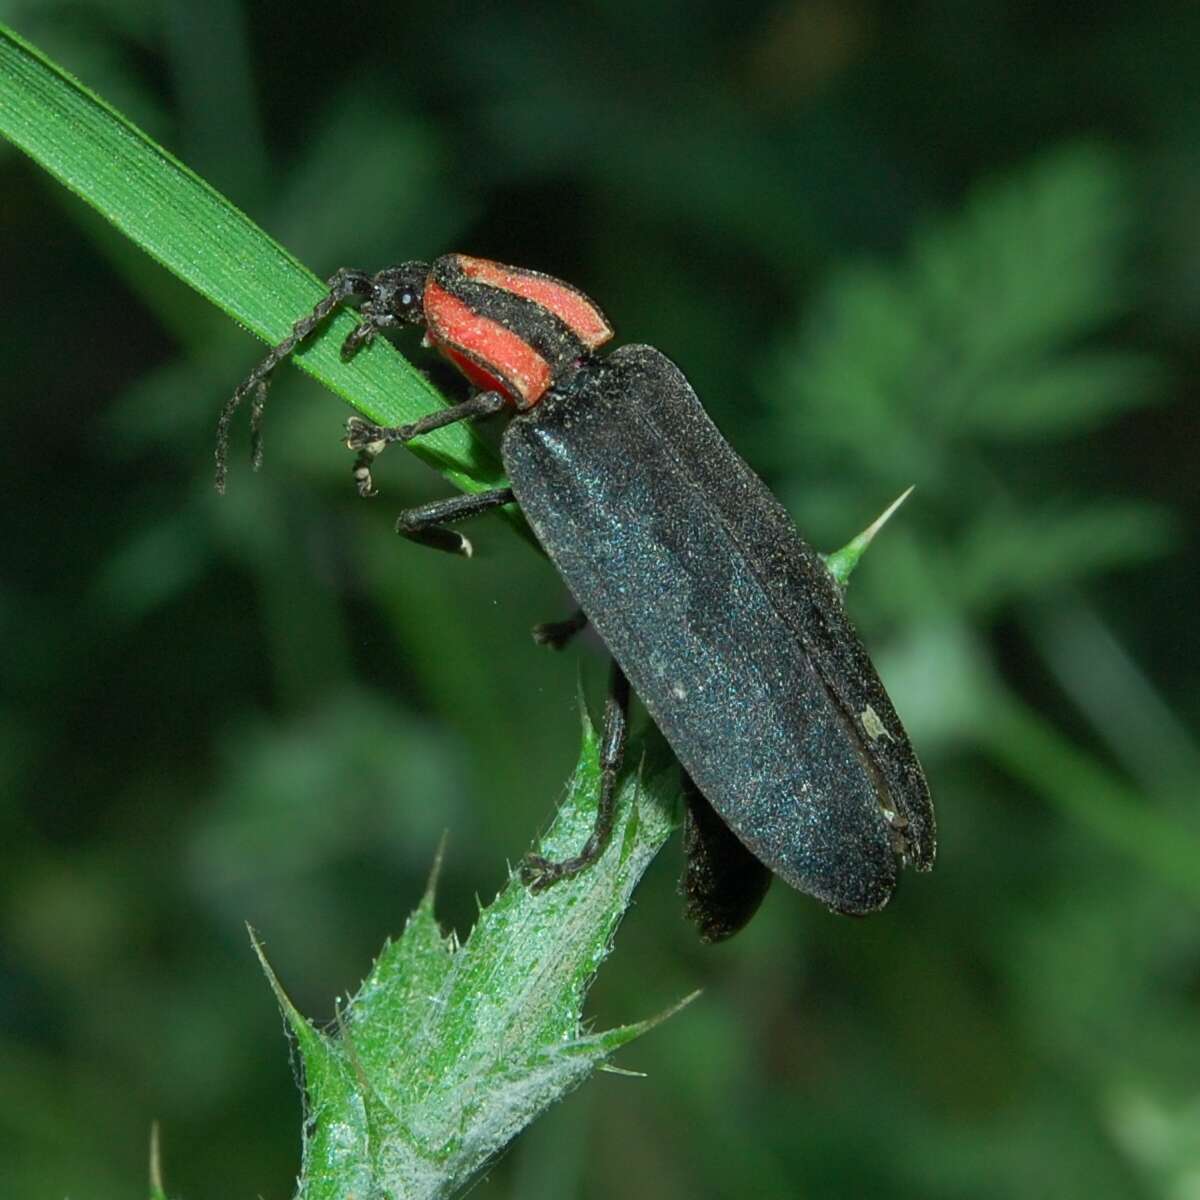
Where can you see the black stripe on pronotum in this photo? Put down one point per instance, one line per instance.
(726, 624)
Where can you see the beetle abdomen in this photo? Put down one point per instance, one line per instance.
(684, 563)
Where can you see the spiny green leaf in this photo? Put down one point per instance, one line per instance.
(157, 1191)
(841, 563)
(447, 1052)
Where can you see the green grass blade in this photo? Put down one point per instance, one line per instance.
(198, 235)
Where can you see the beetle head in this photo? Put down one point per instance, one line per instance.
(399, 292)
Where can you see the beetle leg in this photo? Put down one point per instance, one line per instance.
(371, 440)
(539, 873)
(343, 284)
(556, 634)
(427, 522)
(722, 882)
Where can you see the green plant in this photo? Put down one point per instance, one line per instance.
(445, 1052)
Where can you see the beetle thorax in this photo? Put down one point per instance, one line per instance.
(507, 329)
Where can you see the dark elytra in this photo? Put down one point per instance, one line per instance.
(729, 627)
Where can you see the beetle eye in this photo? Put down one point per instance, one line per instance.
(406, 299)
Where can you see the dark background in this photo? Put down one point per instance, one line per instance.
(945, 243)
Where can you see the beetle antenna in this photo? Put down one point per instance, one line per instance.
(342, 285)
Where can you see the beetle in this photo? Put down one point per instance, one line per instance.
(726, 624)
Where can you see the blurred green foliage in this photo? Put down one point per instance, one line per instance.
(937, 243)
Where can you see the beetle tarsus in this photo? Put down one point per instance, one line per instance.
(537, 872)
(361, 434)
(364, 438)
(370, 440)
